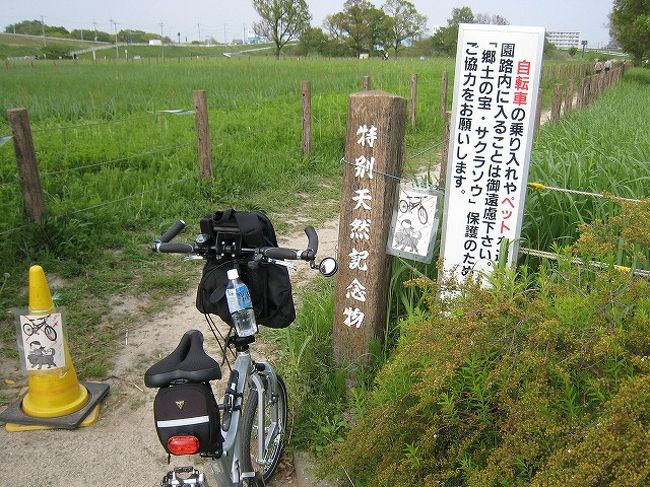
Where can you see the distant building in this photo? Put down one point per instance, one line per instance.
(563, 39)
(155, 42)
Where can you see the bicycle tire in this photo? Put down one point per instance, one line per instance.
(50, 333)
(423, 216)
(28, 329)
(403, 206)
(249, 447)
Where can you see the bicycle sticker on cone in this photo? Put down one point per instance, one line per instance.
(42, 342)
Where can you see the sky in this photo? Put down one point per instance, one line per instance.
(231, 18)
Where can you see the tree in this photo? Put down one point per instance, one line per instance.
(444, 41)
(312, 40)
(353, 23)
(405, 22)
(490, 19)
(35, 27)
(282, 20)
(630, 20)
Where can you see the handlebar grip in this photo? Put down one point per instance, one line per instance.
(280, 253)
(312, 236)
(174, 230)
(174, 248)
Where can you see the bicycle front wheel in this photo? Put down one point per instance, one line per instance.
(250, 434)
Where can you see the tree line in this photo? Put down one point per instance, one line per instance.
(37, 28)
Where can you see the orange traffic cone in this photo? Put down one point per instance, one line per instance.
(55, 398)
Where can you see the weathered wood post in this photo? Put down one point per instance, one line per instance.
(414, 99)
(444, 153)
(365, 85)
(203, 133)
(444, 86)
(556, 108)
(30, 181)
(581, 94)
(538, 115)
(374, 152)
(568, 102)
(305, 93)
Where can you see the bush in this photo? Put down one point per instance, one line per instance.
(541, 380)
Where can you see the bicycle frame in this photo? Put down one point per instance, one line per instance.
(227, 468)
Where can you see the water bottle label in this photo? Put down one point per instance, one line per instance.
(233, 302)
(244, 297)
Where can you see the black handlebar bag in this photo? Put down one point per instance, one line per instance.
(269, 285)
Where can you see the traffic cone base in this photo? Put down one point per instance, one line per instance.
(15, 427)
(16, 420)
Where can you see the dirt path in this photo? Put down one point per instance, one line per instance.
(122, 448)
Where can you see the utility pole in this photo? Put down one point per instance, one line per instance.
(245, 36)
(162, 42)
(224, 34)
(95, 26)
(199, 27)
(179, 38)
(117, 50)
(43, 31)
(14, 26)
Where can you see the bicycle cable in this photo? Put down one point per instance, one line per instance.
(223, 347)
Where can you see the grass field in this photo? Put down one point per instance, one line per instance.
(118, 173)
(19, 46)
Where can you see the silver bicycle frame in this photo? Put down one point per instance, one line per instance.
(227, 468)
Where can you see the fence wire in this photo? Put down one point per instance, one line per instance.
(106, 203)
(591, 263)
(543, 187)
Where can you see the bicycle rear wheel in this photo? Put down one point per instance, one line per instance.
(250, 432)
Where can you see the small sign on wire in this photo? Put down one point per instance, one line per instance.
(415, 224)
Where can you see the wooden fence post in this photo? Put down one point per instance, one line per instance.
(374, 153)
(305, 89)
(414, 98)
(556, 108)
(366, 83)
(443, 93)
(580, 99)
(203, 133)
(444, 153)
(30, 181)
(538, 115)
(568, 102)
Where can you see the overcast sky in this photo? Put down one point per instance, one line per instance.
(231, 17)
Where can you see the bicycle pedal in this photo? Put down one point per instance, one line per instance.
(184, 477)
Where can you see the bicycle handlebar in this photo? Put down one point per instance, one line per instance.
(171, 232)
(163, 245)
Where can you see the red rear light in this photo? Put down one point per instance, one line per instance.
(183, 445)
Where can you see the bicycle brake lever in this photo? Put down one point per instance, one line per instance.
(192, 257)
(283, 263)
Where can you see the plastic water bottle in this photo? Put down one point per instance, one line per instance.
(240, 305)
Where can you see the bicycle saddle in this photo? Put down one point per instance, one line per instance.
(188, 362)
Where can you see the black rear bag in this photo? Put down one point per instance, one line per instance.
(269, 285)
(188, 410)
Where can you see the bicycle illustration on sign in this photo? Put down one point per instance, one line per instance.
(414, 224)
(411, 203)
(42, 341)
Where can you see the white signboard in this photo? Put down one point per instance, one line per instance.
(414, 225)
(498, 70)
(42, 340)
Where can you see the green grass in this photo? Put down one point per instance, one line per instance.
(254, 109)
(18, 46)
(603, 148)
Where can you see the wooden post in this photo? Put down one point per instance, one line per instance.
(305, 94)
(7, 64)
(538, 115)
(444, 155)
(366, 211)
(568, 102)
(203, 133)
(556, 108)
(414, 98)
(443, 93)
(365, 84)
(30, 181)
(580, 100)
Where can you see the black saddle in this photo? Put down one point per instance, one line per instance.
(188, 362)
